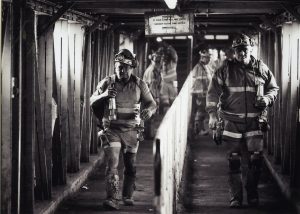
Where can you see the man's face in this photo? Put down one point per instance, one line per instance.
(123, 71)
(157, 61)
(205, 59)
(242, 54)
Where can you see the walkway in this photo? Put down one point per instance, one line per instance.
(90, 197)
(207, 190)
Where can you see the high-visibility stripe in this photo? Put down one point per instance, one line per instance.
(112, 144)
(242, 115)
(211, 104)
(232, 134)
(198, 91)
(241, 89)
(253, 133)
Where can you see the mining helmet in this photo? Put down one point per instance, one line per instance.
(242, 40)
(205, 52)
(126, 57)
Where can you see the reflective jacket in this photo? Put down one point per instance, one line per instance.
(234, 87)
(201, 78)
(128, 95)
(152, 77)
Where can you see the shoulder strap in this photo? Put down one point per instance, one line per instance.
(259, 71)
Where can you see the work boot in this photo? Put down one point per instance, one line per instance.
(128, 189)
(235, 190)
(112, 192)
(251, 187)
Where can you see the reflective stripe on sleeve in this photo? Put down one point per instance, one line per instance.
(232, 134)
(241, 89)
(253, 133)
(211, 104)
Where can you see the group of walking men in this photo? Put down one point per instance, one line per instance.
(236, 94)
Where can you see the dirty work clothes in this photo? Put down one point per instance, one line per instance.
(128, 94)
(169, 86)
(201, 78)
(234, 86)
(152, 77)
(127, 140)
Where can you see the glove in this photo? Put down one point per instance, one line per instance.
(262, 102)
(146, 114)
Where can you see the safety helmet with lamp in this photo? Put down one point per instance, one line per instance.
(125, 56)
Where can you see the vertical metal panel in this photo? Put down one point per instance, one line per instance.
(285, 77)
(6, 138)
(61, 68)
(85, 130)
(294, 64)
(44, 111)
(277, 116)
(75, 33)
(28, 116)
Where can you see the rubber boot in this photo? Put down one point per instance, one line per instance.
(112, 192)
(251, 187)
(129, 178)
(235, 190)
(128, 189)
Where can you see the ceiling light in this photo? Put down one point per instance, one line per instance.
(209, 37)
(222, 37)
(158, 39)
(171, 4)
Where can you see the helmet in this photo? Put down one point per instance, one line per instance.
(156, 57)
(126, 57)
(205, 52)
(242, 40)
(168, 54)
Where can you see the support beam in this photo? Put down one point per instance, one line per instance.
(56, 16)
(97, 23)
(291, 10)
(268, 22)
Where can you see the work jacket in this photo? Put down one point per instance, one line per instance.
(233, 89)
(128, 95)
(201, 78)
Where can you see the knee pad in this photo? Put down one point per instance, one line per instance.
(129, 163)
(234, 163)
(256, 160)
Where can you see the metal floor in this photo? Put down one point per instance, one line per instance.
(207, 190)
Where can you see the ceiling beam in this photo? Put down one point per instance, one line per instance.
(291, 10)
(56, 17)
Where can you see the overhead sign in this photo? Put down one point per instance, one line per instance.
(169, 24)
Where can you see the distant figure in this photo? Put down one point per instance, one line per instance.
(201, 78)
(152, 76)
(240, 91)
(169, 76)
(229, 53)
(119, 96)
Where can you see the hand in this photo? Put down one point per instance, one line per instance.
(262, 102)
(111, 92)
(146, 114)
(212, 124)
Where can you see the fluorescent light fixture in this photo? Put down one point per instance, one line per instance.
(180, 37)
(168, 37)
(171, 4)
(159, 39)
(209, 37)
(222, 37)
